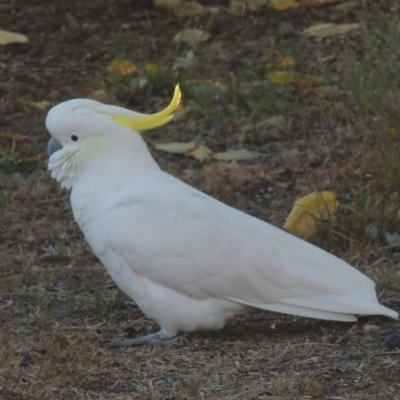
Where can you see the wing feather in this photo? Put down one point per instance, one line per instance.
(187, 241)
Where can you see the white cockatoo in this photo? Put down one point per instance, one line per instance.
(187, 260)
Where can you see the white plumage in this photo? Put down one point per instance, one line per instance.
(189, 261)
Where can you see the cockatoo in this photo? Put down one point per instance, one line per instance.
(188, 261)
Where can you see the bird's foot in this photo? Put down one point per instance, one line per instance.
(152, 338)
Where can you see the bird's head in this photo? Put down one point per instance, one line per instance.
(82, 130)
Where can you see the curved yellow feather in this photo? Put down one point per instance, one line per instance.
(153, 120)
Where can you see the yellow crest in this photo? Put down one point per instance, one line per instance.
(153, 120)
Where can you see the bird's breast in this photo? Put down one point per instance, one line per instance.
(88, 212)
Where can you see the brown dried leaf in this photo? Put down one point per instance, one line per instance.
(13, 136)
(192, 36)
(236, 155)
(282, 5)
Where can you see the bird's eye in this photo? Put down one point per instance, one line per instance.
(74, 138)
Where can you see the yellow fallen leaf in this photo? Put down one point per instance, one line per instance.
(123, 67)
(175, 147)
(200, 153)
(152, 69)
(329, 29)
(7, 37)
(309, 210)
(288, 62)
(288, 77)
(236, 155)
(192, 36)
(393, 133)
(282, 5)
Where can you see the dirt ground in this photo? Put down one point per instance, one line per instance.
(57, 302)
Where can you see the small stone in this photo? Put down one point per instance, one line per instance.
(393, 341)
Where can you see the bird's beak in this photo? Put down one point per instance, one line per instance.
(53, 146)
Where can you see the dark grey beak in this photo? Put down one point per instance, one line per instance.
(53, 146)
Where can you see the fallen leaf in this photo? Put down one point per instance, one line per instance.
(347, 6)
(329, 29)
(287, 78)
(123, 67)
(188, 62)
(276, 121)
(282, 5)
(325, 91)
(370, 327)
(239, 6)
(189, 9)
(7, 37)
(13, 136)
(309, 210)
(152, 69)
(393, 133)
(175, 147)
(138, 82)
(254, 5)
(103, 97)
(288, 62)
(263, 127)
(192, 36)
(236, 155)
(167, 3)
(41, 105)
(392, 240)
(36, 105)
(371, 231)
(200, 153)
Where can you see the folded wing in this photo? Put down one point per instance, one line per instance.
(187, 241)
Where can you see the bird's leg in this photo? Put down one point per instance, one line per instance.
(152, 338)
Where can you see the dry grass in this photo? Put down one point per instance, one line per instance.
(57, 303)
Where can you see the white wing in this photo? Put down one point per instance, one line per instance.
(182, 239)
